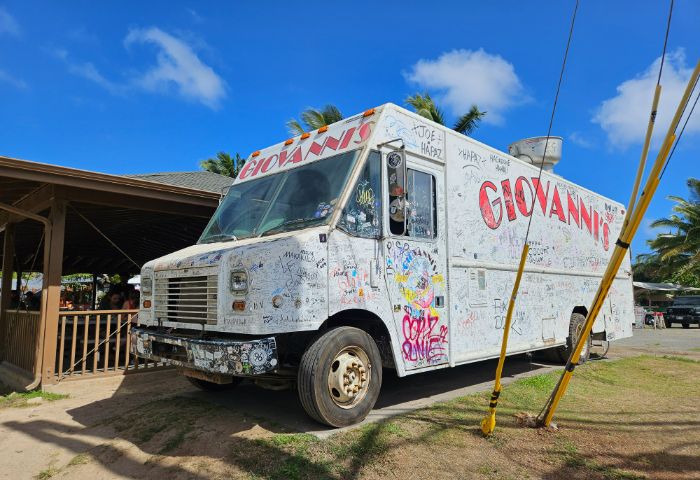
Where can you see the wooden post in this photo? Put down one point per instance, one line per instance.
(8, 255)
(94, 292)
(51, 290)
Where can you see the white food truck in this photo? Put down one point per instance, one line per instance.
(382, 241)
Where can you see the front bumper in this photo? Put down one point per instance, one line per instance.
(683, 318)
(222, 356)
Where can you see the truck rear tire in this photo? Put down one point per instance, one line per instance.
(562, 354)
(340, 376)
(214, 387)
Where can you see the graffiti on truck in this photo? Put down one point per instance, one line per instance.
(416, 275)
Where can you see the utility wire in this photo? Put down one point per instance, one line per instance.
(489, 422)
(663, 54)
(551, 118)
(668, 160)
(658, 81)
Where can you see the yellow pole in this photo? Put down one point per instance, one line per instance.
(489, 422)
(609, 276)
(645, 153)
(630, 226)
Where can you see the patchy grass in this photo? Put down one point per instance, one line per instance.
(167, 423)
(80, 459)
(47, 473)
(20, 399)
(680, 359)
(627, 419)
(608, 406)
(573, 458)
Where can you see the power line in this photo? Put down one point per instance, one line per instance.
(668, 160)
(551, 118)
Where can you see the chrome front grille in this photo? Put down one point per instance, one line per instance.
(186, 299)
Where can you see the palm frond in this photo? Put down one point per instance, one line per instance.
(294, 127)
(222, 164)
(331, 114)
(312, 118)
(468, 122)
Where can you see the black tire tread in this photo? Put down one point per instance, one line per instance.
(310, 367)
(307, 376)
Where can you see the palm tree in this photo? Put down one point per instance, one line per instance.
(425, 106)
(676, 253)
(224, 164)
(313, 118)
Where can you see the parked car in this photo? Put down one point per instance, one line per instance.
(684, 310)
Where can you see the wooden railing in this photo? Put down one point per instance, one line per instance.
(97, 343)
(22, 337)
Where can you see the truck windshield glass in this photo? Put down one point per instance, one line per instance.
(290, 200)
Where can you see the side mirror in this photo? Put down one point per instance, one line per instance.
(396, 175)
(224, 192)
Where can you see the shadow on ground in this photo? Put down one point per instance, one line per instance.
(175, 426)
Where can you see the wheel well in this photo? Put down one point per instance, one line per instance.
(580, 309)
(370, 323)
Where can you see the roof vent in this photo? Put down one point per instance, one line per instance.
(532, 151)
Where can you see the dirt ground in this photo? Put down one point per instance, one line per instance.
(636, 416)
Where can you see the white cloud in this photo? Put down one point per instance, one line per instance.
(179, 67)
(466, 77)
(577, 138)
(15, 82)
(87, 70)
(196, 17)
(624, 117)
(8, 24)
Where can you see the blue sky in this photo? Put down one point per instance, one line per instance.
(132, 87)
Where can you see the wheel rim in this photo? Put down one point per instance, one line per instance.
(349, 377)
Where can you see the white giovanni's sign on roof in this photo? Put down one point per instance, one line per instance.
(340, 137)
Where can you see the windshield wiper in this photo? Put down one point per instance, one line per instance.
(219, 237)
(282, 226)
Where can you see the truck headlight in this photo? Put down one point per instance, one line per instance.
(146, 285)
(239, 281)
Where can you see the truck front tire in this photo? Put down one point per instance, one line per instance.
(340, 376)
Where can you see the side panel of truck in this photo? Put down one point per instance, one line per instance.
(572, 237)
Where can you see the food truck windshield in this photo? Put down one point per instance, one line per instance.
(297, 198)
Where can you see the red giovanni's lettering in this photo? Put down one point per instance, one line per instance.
(487, 205)
(556, 205)
(323, 145)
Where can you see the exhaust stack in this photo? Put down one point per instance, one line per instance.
(532, 151)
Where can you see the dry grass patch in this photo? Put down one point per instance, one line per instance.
(25, 399)
(628, 419)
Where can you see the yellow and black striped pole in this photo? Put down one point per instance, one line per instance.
(630, 226)
(488, 424)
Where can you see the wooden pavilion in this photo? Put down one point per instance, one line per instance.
(58, 221)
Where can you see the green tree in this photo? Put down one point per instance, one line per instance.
(312, 119)
(676, 254)
(224, 164)
(424, 105)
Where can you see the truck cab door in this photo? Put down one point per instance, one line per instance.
(415, 257)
